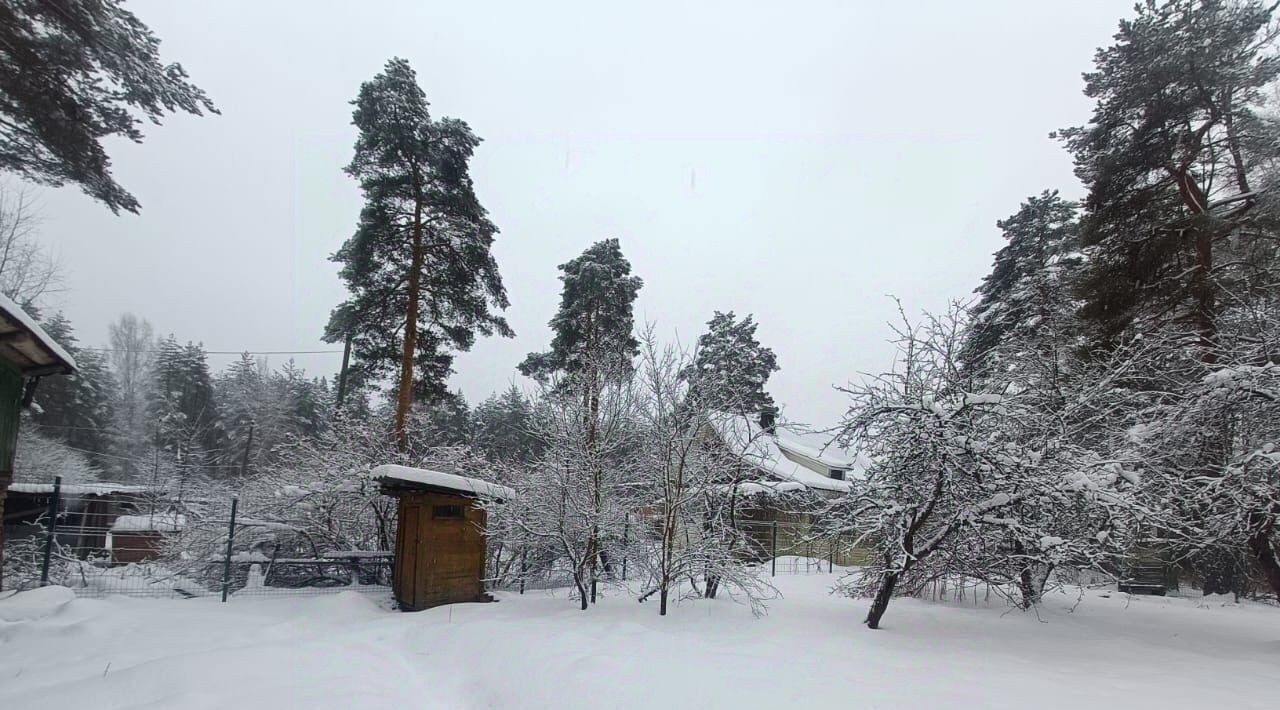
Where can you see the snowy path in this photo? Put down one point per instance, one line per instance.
(538, 651)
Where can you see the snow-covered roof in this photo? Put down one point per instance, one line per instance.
(160, 522)
(25, 344)
(826, 457)
(761, 450)
(445, 481)
(101, 488)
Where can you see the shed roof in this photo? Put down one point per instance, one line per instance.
(27, 347)
(436, 480)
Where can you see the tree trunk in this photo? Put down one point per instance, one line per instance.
(405, 394)
(1206, 302)
(881, 602)
(662, 602)
(1264, 550)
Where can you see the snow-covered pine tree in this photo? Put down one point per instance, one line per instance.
(1027, 297)
(1166, 159)
(730, 367)
(593, 348)
(420, 271)
(444, 422)
(306, 400)
(503, 428)
(76, 73)
(183, 409)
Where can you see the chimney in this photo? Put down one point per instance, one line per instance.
(769, 420)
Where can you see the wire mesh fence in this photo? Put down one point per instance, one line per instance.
(100, 539)
(772, 547)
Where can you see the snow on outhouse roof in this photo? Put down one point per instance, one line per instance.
(761, 449)
(25, 344)
(453, 483)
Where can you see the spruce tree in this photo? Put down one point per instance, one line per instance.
(72, 74)
(731, 367)
(182, 407)
(77, 409)
(504, 430)
(1166, 161)
(420, 270)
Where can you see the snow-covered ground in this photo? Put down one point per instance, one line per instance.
(538, 651)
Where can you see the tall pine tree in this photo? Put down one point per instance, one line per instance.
(1166, 160)
(420, 270)
(594, 344)
(1027, 296)
(731, 367)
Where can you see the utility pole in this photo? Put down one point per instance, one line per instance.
(342, 374)
(155, 473)
(244, 462)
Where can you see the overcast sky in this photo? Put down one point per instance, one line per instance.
(798, 161)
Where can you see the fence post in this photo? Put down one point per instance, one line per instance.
(226, 565)
(53, 527)
(524, 567)
(831, 561)
(773, 557)
(626, 533)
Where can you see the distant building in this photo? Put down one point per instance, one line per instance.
(27, 354)
(777, 460)
(778, 483)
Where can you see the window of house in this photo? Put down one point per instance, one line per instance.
(446, 512)
(837, 474)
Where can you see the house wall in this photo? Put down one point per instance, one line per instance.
(439, 559)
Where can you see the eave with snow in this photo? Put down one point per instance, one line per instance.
(395, 479)
(784, 463)
(27, 348)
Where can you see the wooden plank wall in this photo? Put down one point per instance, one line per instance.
(439, 560)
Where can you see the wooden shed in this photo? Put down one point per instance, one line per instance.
(27, 353)
(138, 538)
(440, 538)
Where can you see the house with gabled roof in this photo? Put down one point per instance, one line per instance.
(777, 459)
(782, 479)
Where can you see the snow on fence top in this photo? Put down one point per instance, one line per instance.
(445, 481)
(161, 522)
(76, 489)
(28, 346)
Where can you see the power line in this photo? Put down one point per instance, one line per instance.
(223, 352)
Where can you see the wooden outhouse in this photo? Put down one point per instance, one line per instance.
(440, 535)
(27, 353)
